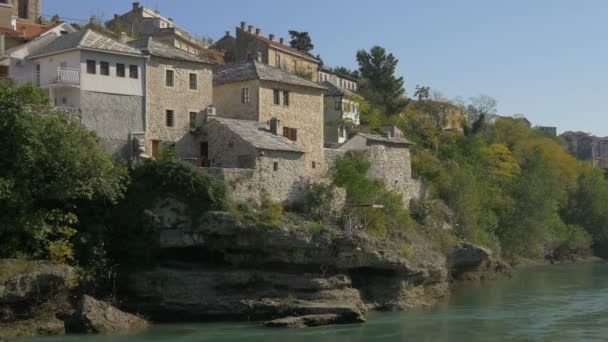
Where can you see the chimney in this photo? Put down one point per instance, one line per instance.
(123, 38)
(135, 6)
(170, 19)
(93, 20)
(282, 40)
(275, 126)
(243, 25)
(271, 37)
(250, 28)
(227, 33)
(116, 16)
(258, 31)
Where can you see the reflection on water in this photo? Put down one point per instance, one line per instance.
(549, 303)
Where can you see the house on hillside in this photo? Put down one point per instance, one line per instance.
(178, 88)
(249, 44)
(252, 90)
(585, 146)
(143, 22)
(341, 112)
(390, 160)
(95, 78)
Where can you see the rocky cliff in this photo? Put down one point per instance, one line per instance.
(221, 268)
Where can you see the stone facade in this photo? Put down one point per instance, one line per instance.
(304, 113)
(25, 9)
(250, 44)
(180, 99)
(113, 117)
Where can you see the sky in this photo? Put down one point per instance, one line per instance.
(546, 59)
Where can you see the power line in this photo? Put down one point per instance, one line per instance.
(65, 18)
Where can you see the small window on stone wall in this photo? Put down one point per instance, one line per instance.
(104, 68)
(193, 81)
(169, 118)
(314, 165)
(245, 95)
(276, 97)
(120, 70)
(275, 166)
(169, 75)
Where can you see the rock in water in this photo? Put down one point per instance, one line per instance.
(96, 317)
(315, 320)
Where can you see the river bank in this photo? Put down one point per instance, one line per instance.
(542, 303)
(224, 269)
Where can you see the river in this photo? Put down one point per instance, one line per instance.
(545, 303)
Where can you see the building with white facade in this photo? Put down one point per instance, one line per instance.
(341, 106)
(94, 77)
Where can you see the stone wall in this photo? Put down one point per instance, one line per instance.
(305, 113)
(113, 118)
(227, 100)
(225, 147)
(390, 164)
(32, 9)
(179, 98)
(292, 63)
(286, 185)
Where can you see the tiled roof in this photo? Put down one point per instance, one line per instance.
(25, 31)
(259, 135)
(334, 90)
(250, 70)
(278, 45)
(87, 39)
(155, 48)
(379, 138)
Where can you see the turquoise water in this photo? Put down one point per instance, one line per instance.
(548, 303)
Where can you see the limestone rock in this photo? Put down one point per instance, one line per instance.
(97, 317)
(39, 282)
(314, 320)
(467, 256)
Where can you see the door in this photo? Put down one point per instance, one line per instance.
(204, 154)
(155, 148)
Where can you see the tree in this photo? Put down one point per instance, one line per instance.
(346, 71)
(422, 93)
(379, 85)
(301, 41)
(50, 167)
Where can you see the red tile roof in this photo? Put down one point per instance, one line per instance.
(26, 31)
(278, 45)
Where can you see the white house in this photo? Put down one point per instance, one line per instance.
(341, 106)
(96, 77)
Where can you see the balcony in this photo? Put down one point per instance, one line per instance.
(62, 77)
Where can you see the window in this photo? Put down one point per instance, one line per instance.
(192, 119)
(169, 118)
(193, 81)
(338, 105)
(91, 67)
(120, 70)
(245, 95)
(277, 60)
(275, 166)
(104, 68)
(295, 65)
(285, 98)
(133, 71)
(277, 97)
(314, 165)
(169, 75)
(290, 133)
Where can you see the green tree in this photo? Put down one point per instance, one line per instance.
(50, 166)
(301, 41)
(379, 85)
(422, 93)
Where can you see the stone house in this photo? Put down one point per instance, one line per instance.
(255, 91)
(390, 160)
(255, 160)
(143, 22)
(178, 87)
(24, 10)
(93, 77)
(250, 44)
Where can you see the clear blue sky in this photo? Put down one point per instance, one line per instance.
(545, 59)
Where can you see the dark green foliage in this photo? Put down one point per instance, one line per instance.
(378, 83)
(51, 167)
(134, 231)
(301, 41)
